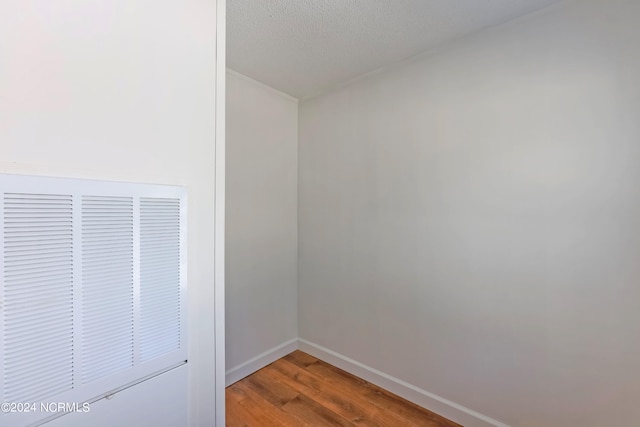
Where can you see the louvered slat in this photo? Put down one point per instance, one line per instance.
(38, 295)
(159, 277)
(107, 286)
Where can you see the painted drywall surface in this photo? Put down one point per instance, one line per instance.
(160, 409)
(122, 91)
(470, 221)
(261, 240)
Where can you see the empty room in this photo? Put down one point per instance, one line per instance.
(254, 213)
(439, 198)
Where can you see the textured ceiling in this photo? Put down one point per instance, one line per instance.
(303, 47)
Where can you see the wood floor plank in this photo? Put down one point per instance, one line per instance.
(301, 390)
(301, 358)
(258, 412)
(322, 393)
(344, 398)
(381, 398)
(358, 391)
(271, 390)
(333, 374)
(236, 414)
(406, 410)
(314, 414)
(278, 412)
(311, 387)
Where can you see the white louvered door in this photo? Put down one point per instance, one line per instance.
(93, 291)
(159, 277)
(37, 296)
(107, 286)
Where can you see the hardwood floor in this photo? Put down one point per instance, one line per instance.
(300, 390)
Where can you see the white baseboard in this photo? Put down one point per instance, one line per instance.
(441, 406)
(260, 361)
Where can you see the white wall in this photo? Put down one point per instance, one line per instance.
(161, 409)
(470, 221)
(125, 91)
(262, 234)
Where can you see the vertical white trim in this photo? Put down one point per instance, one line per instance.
(184, 266)
(2, 345)
(219, 209)
(136, 280)
(78, 300)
